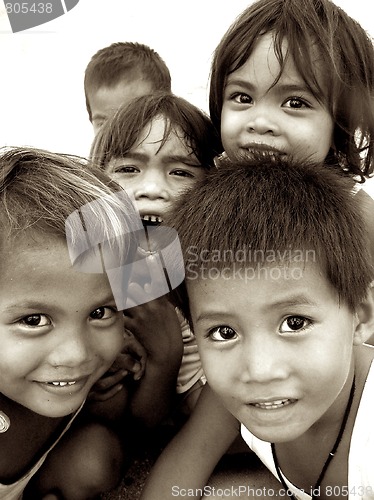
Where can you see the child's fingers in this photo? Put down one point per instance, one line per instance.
(138, 375)
(137, 370)
(156, 285)
(109, 381)
(142, 363)
(134, 350)
(135, 295)
(128, 362)
(103, 396)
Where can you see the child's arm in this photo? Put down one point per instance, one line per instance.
(190, 458)
(155, 324)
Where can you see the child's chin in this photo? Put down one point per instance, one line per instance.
(62, 412)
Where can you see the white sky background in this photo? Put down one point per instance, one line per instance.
(41, 85)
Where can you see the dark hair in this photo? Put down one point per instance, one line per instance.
(125, 60)
(43, 193)
(345, 59)
(272, 210)
(122, 131)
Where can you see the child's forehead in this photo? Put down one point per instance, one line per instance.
(33, 248)
(32, 245)
(43, 260)
(263, 269)
(44, 280)
(263, 285)
(282, 56)
(120, 84)
(161, 129)
(283, 44)
(108, 98)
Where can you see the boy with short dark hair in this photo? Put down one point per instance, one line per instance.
(280, 297)
(118, 73)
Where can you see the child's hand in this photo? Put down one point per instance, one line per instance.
(107, 386)
(156, 326)
(149, 280)
(132, 359)
(154, 322)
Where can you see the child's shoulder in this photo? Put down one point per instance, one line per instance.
(362, 439)
(366, 203)
(364, 366)
(364, 389)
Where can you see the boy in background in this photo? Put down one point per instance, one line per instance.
(118, 73)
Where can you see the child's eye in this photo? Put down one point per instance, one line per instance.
(126, 169)
(222, 333)
(181, 173)
(296, 103)
(294, 324)
(103, 313)
(242, 98)
(36, 320)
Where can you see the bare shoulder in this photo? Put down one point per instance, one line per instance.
(364, 356)
(367, 205)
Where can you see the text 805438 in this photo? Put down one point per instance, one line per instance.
(29, 8)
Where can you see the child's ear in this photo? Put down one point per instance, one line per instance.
(365, 318)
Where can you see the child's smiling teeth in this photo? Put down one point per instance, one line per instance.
(62, 384)
(155, 219)
(272, 405)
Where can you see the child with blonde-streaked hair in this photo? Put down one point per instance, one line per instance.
(61, 329)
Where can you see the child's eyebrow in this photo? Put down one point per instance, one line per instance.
(134, 155)
(240, 82)
(214, 315)
(190, 159)
(289, 302)
(280, 87)
(29, 304)
(298, 300)
(40, 305)
(289, 88)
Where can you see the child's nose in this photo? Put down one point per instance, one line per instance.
(152, 186)
(73, 349)
(262, 361)
(262, 121)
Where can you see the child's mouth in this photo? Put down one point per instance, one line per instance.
(68, 385)
(151, 220)
(273, 405)
(270, 153)
(62, 383)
